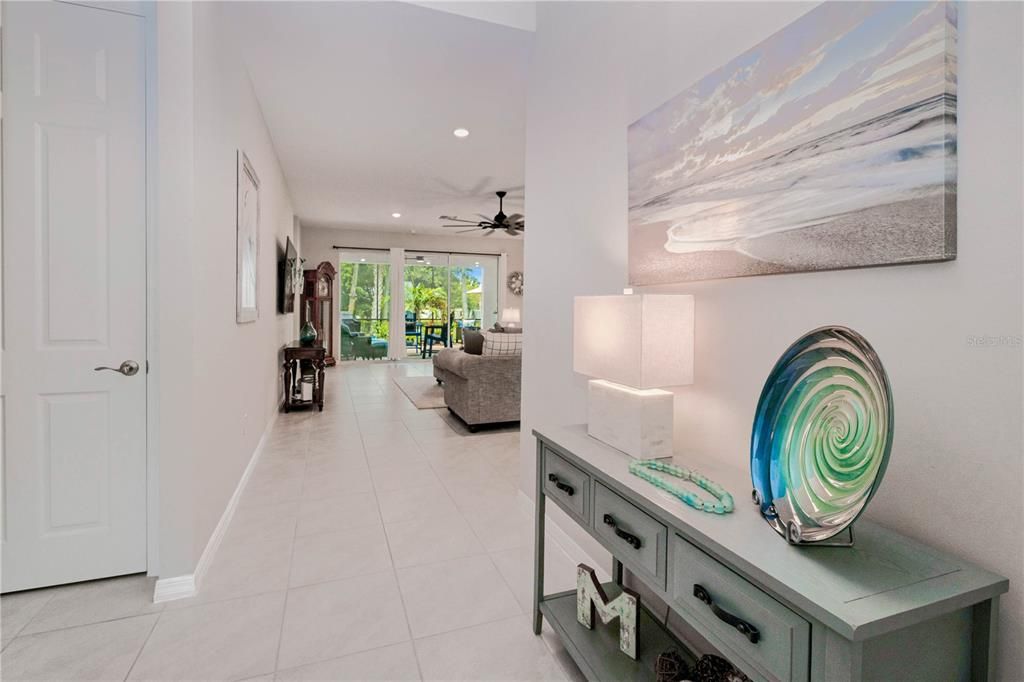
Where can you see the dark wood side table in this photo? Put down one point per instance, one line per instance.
(296, 358)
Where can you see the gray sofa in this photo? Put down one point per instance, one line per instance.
(480, 389)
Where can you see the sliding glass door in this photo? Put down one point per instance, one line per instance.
(474, 291)
(365, 296)
(446, 294)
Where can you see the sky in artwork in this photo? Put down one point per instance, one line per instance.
(837, 66)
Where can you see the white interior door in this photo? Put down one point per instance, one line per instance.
(74, 161)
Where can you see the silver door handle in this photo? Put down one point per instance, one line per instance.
(129, 368)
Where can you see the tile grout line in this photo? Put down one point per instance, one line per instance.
(32, 619)
(462, 514)
(142, 648)
(291, 558)
(23, 635)
(394, 571)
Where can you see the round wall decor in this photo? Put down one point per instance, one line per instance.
(822, 435)
(515, 283)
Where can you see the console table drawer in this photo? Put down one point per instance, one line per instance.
(778, 645)
(636, 538)
(566, 485)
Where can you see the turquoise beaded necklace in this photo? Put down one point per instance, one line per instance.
(723, 504)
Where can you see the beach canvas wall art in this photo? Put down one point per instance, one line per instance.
(830, 145)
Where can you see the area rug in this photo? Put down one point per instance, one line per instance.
(424, 392)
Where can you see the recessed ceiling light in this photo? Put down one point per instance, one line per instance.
(396, 215)
(460, 132)
(362, 260)
(476, 263)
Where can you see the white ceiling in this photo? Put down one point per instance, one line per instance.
(361, 99)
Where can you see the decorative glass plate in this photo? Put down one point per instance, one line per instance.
(822, 435)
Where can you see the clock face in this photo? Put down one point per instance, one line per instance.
(515, 283)
(321, 288)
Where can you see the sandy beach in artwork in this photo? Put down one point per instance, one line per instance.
(907, 231)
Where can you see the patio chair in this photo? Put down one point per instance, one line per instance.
(434, 333)
(413, 331)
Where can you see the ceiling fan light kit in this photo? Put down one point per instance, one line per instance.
(514, 224)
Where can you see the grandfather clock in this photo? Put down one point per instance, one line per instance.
(318, 291)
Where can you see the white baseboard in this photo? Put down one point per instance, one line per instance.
(184, 586)
(169, 589)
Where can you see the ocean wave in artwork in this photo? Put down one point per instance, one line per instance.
(890, 159)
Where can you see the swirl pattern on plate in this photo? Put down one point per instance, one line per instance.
(822, 435)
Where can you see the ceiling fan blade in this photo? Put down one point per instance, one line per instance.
(489, 232)
(461, 220)
(516, 217)
(473, 229)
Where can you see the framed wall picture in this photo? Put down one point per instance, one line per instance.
(830, 145)
(247, 242)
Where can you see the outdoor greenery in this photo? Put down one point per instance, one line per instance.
(365, 294)
(425, 293)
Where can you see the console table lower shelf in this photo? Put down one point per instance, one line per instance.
(596, 652)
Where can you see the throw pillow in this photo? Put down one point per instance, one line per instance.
(472, 342)
(502, 344)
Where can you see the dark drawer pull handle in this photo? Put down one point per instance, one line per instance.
(564, 487)
(745, 628)
(628, 537)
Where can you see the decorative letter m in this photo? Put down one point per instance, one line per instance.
(590, 597)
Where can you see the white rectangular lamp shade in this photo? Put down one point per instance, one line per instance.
(641, 341)
(633, 345)
(510, 316)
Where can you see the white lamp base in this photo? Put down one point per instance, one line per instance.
(638, 422)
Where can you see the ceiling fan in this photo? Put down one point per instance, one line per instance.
(514, 224)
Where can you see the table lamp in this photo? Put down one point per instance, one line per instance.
(510, 317)
(633, 346)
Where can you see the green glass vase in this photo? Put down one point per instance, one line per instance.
(307, 333)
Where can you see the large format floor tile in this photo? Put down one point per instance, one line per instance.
(95, 602)
(430, 539)
(453, 594)
(516, 567)
(102, 651)
(503, 650)
(341, 554)
(502, 525)
(337, 513)
(226, 640)
(374, 541)
(17, 609)
(255, 567)
(410, 504)
(332, 619)
(395, 663)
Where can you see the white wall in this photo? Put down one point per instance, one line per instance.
(237, 366)
(955, 476)
(317, 243)
(217, 382)
(171, 328)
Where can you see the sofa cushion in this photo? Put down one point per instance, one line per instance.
(502, 344)
(472, 342)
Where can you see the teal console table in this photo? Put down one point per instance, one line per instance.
(888, 608)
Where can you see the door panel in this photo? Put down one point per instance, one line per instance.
(74, 156)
